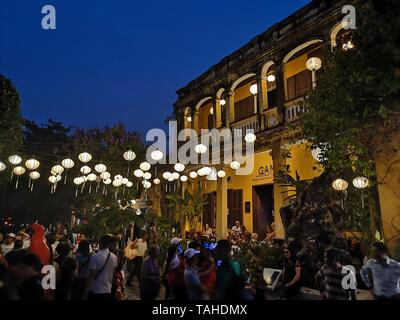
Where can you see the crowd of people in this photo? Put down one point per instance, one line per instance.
(200, 269)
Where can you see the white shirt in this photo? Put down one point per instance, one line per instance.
(141, 248)
(103, 283)
(5, 248)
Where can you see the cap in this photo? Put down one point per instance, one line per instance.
(190, 253)
(175, 241)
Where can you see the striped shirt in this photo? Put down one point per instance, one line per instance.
(333, 282)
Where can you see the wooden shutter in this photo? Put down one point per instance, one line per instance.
(291, 87)
(235, 206)
(209, 212)
(244, 108)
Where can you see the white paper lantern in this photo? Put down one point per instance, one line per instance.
(85, 157)
(32, 164)
(100, 168)
(166, 175)
(53, 179)
(2, 166)
(138, 212)
(340, 185)
(117, 183)
(129, 155)
(221, 173)
(133, 202)
(34, 175)
(157, 155)
(184, 178)
(193, 175)
(107, 181)
(314, 64)
(212, 176)
(58, 178)
(222, 102)
(105, 175)
(171, 178)
(254, 89)
(271, 78)
(57, 169)
(124, 181)
(179, 167)
(147, 185)
(200, 148)
(15, 159)
(361, 182)
(92, 177)
(147, 176)
(68, 163)
(235, 165)
(129, 184)
(138, 173)
(156, 181)
(250, 137)
(118, 177)
(85, 170)
(77, 181)
(19, 171)
(175, 176)
(145, 166)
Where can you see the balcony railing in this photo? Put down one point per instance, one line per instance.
(249, 123)
(294, 109)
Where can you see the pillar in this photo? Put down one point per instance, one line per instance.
(230, 108)
(222, 208)
(280, 193)
(280, 92)
(217, 114)
(261, 100)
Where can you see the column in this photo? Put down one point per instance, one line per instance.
(195, 120)
(280, 92)
(222, 208)
(230, 108)
(261, 97)
(182, 218)
(217, 113)
(280, 193)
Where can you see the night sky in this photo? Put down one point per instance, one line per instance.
(121, 60)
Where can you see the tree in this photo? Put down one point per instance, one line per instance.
(189, 205)
(355, 108)
(10, 119)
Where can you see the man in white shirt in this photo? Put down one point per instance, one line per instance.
(102, 267)
(141, 249)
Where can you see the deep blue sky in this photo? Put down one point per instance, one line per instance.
(121, 60)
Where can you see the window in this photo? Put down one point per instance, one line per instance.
(272, 99)
(299, 85)
(244, 108)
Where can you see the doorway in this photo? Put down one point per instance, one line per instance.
(263, 206)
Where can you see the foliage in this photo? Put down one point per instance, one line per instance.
(190, 206)
(10, 119)
(355, 105)
(253, 257)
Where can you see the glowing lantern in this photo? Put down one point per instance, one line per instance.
(100, 168)
(68, 163)
(254, 89)
(340, 185)
(138, 173)
(15, 159)
(235, 165)
(250, 137)
(156, 181)
(157, 155)
(129, 155)
(200, 148)
(193, 175)
(221, 173)
(32, 164)
(105, 175)
(184, 178)
(57, 169)
(166, 175)
(145, 166)
(2, 166)
(117, 183)
(85, 157)
(179, 167)
(85, 170)
(147, 176)
(360, 182)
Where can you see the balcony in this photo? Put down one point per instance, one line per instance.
(249, 123)
(294, 109)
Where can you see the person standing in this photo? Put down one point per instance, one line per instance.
(195, 289)
(141, 249)
(291, 275)
(171, 262)
(229, 283)
(207, 231)
(102, 267)
(83, 257)
(8, 244)
(385, 274)
(329, 279)
(150, 280)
